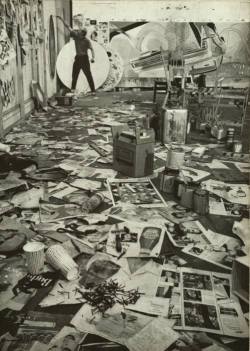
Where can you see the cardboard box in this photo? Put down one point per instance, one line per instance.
(133, 154)
(64, 100)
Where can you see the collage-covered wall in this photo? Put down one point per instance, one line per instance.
(29, 44)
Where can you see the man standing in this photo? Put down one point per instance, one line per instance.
(82, 45)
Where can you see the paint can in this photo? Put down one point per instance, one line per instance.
(200, 201)
(94, 202)
(180, 185)
(167, 180)
(187, 195)
(175, 158)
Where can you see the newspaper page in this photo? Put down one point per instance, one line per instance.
(195, 174)
(169, 288)
(186, 233)
(220, 207)
(157, 335)
(139, 214)
(220, 255)
(195, 298)
(222, 283)
(155, 306)
(199, 307)
(112, 325)
(134, 240)
(236, 193)
(232, 319)
(177, 213)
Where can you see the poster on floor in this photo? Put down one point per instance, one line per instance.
(135, 191)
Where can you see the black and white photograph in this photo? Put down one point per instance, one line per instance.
(170, 277)
(193, 295)
(197, 281)
(124, 175)
(201, 316)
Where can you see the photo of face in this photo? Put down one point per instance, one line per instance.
(193, 295)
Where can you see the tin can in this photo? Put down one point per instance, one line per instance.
(200, 201)
(187, 196)
(94, 202)
(167, 181)
(175, 158)
(230, 138)
(178, 186)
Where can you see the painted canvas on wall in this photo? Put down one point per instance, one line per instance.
(143, 45)
(218, 49)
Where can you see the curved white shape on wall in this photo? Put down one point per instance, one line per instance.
(100, 68)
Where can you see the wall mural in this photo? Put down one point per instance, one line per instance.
(52, 47)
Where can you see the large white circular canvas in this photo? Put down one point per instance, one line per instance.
(100, 68)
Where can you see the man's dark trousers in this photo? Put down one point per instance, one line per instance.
(82, 62)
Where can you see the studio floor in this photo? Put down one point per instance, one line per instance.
(58, 187)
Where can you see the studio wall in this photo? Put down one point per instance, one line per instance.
(26, 45)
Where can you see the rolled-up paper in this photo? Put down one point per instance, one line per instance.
(34, 252)
(59, 259)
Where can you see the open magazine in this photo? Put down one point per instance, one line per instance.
(201, 301)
